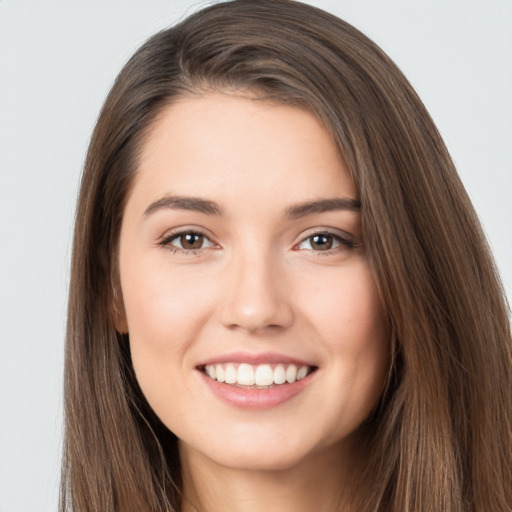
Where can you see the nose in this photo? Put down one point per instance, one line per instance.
(255, 297)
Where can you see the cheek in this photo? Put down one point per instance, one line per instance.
(163, 322)
(349, 314)
(351, 323)
(162, 304)
(165, 310)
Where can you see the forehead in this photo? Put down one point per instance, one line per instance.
(224, 146)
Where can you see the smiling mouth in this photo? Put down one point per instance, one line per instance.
(261, 376)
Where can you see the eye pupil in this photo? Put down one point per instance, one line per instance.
(191, 241)
(322, 242)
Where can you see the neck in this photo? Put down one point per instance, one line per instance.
(319, 483)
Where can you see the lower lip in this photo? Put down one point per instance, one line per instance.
(256, 399)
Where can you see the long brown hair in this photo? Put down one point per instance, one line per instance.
(440, 438)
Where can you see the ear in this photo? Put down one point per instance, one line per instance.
(117, 310)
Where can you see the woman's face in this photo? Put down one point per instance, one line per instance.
(256, 330)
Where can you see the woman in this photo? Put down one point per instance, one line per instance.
(281, 296)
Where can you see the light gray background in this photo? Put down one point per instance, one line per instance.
(57, 62)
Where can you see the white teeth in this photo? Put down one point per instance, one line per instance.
(291, 374)
(210, 371)
(245, 375)
(219, 370)
(279, 374)
(263, 375)
(230, 374)
(302, 372)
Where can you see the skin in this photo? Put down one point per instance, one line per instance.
(256, 284)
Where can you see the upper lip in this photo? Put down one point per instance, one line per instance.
(254, 359)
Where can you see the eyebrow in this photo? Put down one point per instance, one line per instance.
(184, 203)
(212, 208)
(324, 205)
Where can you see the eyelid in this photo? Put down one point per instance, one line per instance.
(324, 230)
(345, 239)
(170, 235)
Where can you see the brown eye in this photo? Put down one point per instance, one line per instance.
(321, 242)
(186, 241)
(191, 241)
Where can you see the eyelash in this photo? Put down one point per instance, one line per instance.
(343, 243)
(167, 240)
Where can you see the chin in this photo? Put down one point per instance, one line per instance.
(272, 451)
(262, 460)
